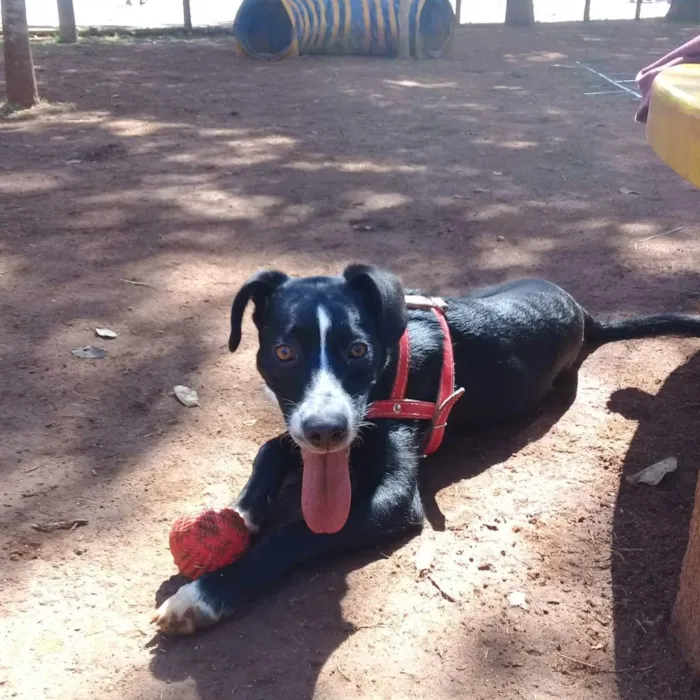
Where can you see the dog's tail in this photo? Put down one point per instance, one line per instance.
(599, 333)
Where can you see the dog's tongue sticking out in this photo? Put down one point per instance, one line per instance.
(325, 490)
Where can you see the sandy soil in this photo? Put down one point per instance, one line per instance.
(185, 169)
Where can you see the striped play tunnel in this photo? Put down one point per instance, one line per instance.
(275, 29)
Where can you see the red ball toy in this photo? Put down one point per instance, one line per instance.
(208, 541)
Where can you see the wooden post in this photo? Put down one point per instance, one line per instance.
(520, 13)
(404, 29)
(685, 623)
(684, 11)
(187, 15)
(587, 11)
(638, 10)
(67, 30)
(20, 81)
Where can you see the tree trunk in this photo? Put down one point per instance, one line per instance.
(404, 29)
(684, 11)
(20, 80)
(66, 22)
(458, 12)
(520, 13)
(587, 11)
(638, 10)
(188, 15)
(686, 613)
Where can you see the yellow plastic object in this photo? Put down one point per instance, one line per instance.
(673, 124)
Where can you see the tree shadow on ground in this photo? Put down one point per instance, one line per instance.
(174, 172)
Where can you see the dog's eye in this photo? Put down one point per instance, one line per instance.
(284, 353)
(358, 350)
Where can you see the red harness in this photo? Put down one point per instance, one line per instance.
(397, 406)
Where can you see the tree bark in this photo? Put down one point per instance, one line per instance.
(587, 11)
(684, 11)
(66, 22)
(187, 15)
(404, 29)
(20, 80)
(686, 613)
(520, 13)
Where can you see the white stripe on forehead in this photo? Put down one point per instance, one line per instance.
(324, 326)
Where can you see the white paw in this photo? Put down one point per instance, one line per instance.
(249, 524)
(185, 612)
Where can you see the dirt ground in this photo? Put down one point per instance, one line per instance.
(183, 168)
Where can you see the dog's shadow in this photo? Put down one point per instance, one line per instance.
(470, 453)
(279, 649)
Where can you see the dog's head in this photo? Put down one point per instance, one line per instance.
(323, 346)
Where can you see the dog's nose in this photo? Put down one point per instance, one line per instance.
(326, 432)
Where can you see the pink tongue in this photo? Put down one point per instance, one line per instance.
(325, 490)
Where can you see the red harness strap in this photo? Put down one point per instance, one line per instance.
(397, 406)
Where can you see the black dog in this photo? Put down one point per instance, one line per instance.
(328, 349)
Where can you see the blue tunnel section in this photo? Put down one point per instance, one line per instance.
(276, 29)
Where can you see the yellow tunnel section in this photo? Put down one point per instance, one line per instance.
(276, 29)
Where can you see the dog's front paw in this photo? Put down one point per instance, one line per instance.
(185, 612)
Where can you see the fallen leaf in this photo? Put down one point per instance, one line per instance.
(106, 333)
(517, 599)
(186, 396)
(90, 352)
(627, 190)
(48, 645)
(425, 555)
(655, 473)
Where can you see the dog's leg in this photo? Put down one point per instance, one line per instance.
(387, 514)
(275, 459)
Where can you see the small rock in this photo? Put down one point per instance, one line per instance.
(106, 333)
(655, 473)
(627, 190)
(500, 239)
(186, 396)
(517, 599)
(425, 555)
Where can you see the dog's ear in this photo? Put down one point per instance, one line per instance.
(383, 294)
(259, 288)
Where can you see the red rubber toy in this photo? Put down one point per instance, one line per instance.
(208, 541)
